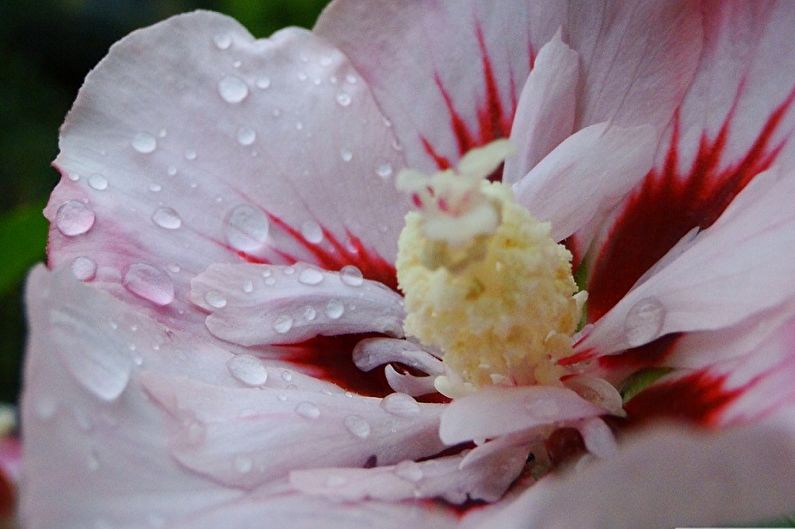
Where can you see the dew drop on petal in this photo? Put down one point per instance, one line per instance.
(232, 89)
(400, 404)
(144, 143)
(248, 286)
(190, 154)
(310, 276)
(346, 155)
(344, 99)
(98, 182)
(312, 232)
(309, 313)
(307, 410)
(222, 41)
(243, 464)
(351, 276)
(246, 136)
(350, 78)
(247, 369)
(149, 283)
(74, 218)
(644, 321)
(246, 228)
(84, 268)
(263, 83)
(215, 299)
(357, 426)
(334, 309)
(409, 470)
(155, 188)
(384, 170)
(283, 324)
(166, 218)
(45, 407)
(287, 376)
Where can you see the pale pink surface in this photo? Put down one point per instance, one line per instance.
(140, 411)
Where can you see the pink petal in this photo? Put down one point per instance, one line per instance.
(739, 266)
(89, 461)
(545, 114)
(192, 143)
(465, 64)
(300, 511)
(486, 478)
(668, 478)
(580, 181)
(495, 411)
(233, 434)
(734, 123)
(254, 304)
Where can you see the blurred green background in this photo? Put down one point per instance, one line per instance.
(46, 49)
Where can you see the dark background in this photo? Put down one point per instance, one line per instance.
(46, 49)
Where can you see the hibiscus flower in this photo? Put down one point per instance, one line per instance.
(240, 326)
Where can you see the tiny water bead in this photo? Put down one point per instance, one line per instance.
(144, 143)
(243, 464)
(334, 309)
(351, 276)
(344, 99)
(167, 218)
(311, 276)
(309, 313)
(248, 369)
(84, 268)
(282, 324)
(644, 321)
(263, 83)
(97, 182)
(400, 404)
(246, 228)
(312, 232)
(246, 136)
(74, 218)
(149, 283)
(384, 170)
(357, 426)
(409, 470)
(346, 155)
(215, 299)
(232, 89)
(308, 410)
(222, 41)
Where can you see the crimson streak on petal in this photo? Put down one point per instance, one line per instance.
(668, 204)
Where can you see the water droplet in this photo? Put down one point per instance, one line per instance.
(84, 268)
(351, 276)
(283, 324)
(190, 154)
(384, 170)
(310, 276)
(247, 369)
(222, 41)
(310, 313)
(166, 218)
(175, 268)
(287, 376)
(263, 83)
(162, 133)
(270, 281)
(172, 171)
(144, 142)
(98, 182)
(232, 89)
(237, 64)
(155, 188)
(346, 155)
(243, 464)
(302, 76)
(276, 112)
(74, 177)
(644, 321)
(248, 286)
(307, 410)
(344, 99)
(400, 404)
(312, 232)
(334, 309)
(246, 228)
(215, 299)
(409, 470)
(74, 218)
(195, 431)
(246, 136)
(350, 78)
(299, 125)
(149, 283)
(46, 407)
(358, 426)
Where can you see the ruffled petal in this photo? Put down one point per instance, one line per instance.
(192, 143)
(259, 304)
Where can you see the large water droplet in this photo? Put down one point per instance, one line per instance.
(246, 228)
(98, 182)
(409, 470)
(312, 232)
(344, 99)
(166, 218)
(400, 404)
(283, 324)
(310, 276)
(307, 410)
(247, 369)
(644, 321)
(215, 299)
(358, 426)
(84, 268)
(351, 276)
(149, 283)
(334, 309)
(74, 218)
(243, 464)
(246, 136)
(144, 142)
(222, 41)
(232, 89)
